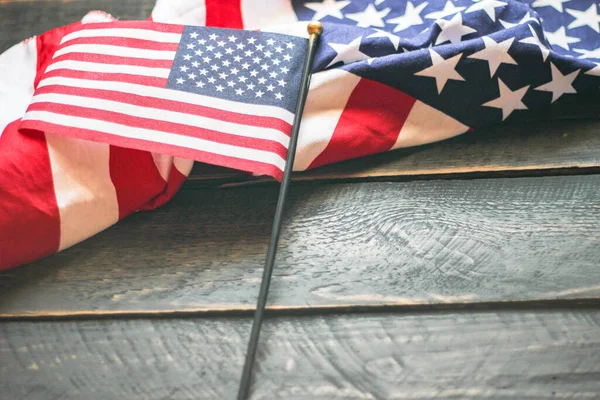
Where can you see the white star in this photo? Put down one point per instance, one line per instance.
(200, 84)
(489, 6)
(221, 43)
(239, 91)
(218, 55)
(192, 76)
(210, 47)
(284, 70)
(347, 53)
(262, 80)
(259, 47)
(245, 65)
(287, 57)
(219, 88)
(253, 73)
(228, 51)
(231, 83)
(452, 30)
(411, 17)
(223, 75)
(273, 74)
(180, 81)
(495, 53)
(560, 84)
(393, 38)
(268, 53)
(232, 38)
(278, 49)
(183, 68)
(442, 70)
(211, 80)
(535, 40)
(256, 60)
(327, 7)
(199, 52)
(237, 58)
(251, 40)
(588, 53)
(559, 38)
(526, 18)
(191, 46)
(264, 67)
(250, 86)
(234, 71)
(276, 62)
(226, 63)
(557, 4)
(203, 71)
(594, 71)
(202, 41)
(214, 67)
(242, 79)
(248, 53)
(369, 17)
(449, 9)
(213, 37)
(508, 100)
(195, 64)
(588, 17)
(270, 42)
(240, 46)
(270, 88)
(281, 82)
(187, 57)
(194, 35)
(259, 93)
(289, 45)
(279, 96)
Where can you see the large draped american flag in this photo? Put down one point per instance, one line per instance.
(388, 74)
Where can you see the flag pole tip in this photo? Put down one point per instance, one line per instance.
(315, 28)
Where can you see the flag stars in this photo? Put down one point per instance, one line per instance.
(251, 40)
(240, 46)
(231, 83)
(276, 62)
(264, 67)
(211, 80)
(285, 70)
(260, 47)
(228, 51)
(248, 53)
(262, 81)
(210, 47)
(192, 76)
(183, 68)
(214, 67)
(195, 64)
(256, 60)
(191, 46)
(223, 75)
(253, 73)
(588, 17)
(242, 79)
(218, 55)
(453, 30)
(239, 91)
(509, 100)
(234, 71)
(281, 82)
(245, 65)
(226, 63)
(250, 86)
(289, 45)
(495, 53)
(259, 93)
(278, 96)
(560, 84)
(203, 71)
(180, 81)
(200, 84)
(232, 38)
(237, 58)
(559, 38)
(198, 52)
(194, 35)
(202, 42)
(287, 57)
(370, 17)
(270, 88)
(206, 59)
(270, 42)
(442, 70)
(187, 57)
(219, 88)
(273, 75)
(278, 49)
(221, 43)
(212, 36)
(268, 53)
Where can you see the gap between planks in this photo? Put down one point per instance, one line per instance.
(284, 311)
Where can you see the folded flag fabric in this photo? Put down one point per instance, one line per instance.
(220, 96)
(388, 74)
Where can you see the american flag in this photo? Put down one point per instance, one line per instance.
(220, 96)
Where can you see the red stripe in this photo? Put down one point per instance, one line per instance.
(174, 183)
(123, 42)
(145, 24)
(224, 13)
(163, 126)
(171, 105)
(105, 59)
(29, 217)
(102, 76)
(28, 127)
(135, 178)
(369, 124)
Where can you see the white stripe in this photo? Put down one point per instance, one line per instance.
(425, 124)
(166, 116)
(149, 135)
(120, 51)
(85, 195)
(130, 33)
(175, 95)
(109, 68)
(327, 98)
(184, 12)
(259, 14)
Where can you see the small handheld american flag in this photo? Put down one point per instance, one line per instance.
(220, 96)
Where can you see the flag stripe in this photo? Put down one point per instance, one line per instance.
(129, 42)
(254, 110)
(188, 109)
(107, 59)
(104, 79)
(174, 127)
(121, 51)
(35, 120)
(131, 33)
(227, 156)
(110, 68)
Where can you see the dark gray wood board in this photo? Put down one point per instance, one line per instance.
(492, 355)
(402, 243)
(20, 19)
(540, 148)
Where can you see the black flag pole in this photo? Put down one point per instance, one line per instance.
(314, 31)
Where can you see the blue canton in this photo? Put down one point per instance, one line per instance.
(477, 61)
(243, 66)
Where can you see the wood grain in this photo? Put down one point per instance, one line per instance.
(426, 242)
(538, 148)
(496, 355)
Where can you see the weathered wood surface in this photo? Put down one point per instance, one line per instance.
(494, 355)
(540, 148)
(446, 241)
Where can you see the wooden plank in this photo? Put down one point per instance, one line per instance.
(497, 355)
(551, 147)
(424, 242)
(22, 19)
